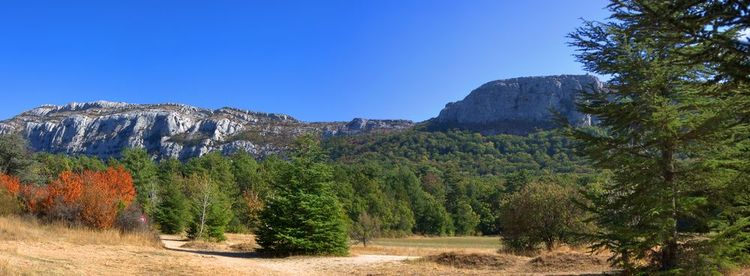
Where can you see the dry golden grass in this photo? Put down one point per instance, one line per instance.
(30, 229)
(29, 247)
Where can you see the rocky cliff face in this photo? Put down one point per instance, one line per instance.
(514, 106)
(518, 106)
(170, 130)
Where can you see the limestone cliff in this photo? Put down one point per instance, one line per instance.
(519, 105)
(170, 130)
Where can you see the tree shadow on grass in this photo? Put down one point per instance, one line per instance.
(230, 254)
(175, 239)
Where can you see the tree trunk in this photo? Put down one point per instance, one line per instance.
(669, 252)
(205, 204)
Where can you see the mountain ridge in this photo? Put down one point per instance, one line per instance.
(172, 130)
(104, 128)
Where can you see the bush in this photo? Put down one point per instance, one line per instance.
(9, 204)
(9, 189)
(541, 213)
(92, 198)
(132, 220)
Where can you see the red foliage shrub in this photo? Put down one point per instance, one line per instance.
(92, 197)
(34, 197)
(105, 194)
(10, 183)
(66, 190)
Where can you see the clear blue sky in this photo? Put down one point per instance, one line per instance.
(315, 60)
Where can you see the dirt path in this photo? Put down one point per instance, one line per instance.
(251, 264)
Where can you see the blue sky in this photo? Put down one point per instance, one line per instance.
(314, 60)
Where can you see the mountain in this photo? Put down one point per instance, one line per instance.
(104, 129)
(518, 105)
(170, 130)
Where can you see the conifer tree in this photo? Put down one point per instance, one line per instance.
(665, 135)
(144, 172)
(172, 212)
(304, 216)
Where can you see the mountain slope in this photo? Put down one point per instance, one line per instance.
(170, 130)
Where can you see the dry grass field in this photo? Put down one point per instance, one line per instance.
(28, 247)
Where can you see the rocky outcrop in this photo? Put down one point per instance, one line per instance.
(518, 106)
(170, 130)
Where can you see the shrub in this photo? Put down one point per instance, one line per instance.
(9, 189)
(104, 195)
(10, 184)
(91, 198)
(9, 204)
(365, 228)
(132, 220)
(541, 213)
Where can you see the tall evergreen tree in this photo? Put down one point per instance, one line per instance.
(663, 134)
(304, 216)
(144, 172)
(171, 212)
(253, 189)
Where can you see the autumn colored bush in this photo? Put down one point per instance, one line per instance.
(9, 189)
(9, 183)
(34, 197)
(92, 198)
(104, 194)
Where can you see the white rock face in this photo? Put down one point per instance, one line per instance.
(519, 105)
(167, 130)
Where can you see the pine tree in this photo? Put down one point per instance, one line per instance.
(144, 172)
(16, 159)
(304, 216)
(172, 212)
(663, 134)
(253, 190)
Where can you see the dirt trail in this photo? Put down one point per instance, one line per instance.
(250, 264)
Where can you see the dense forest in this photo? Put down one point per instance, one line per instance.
(413, 182)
